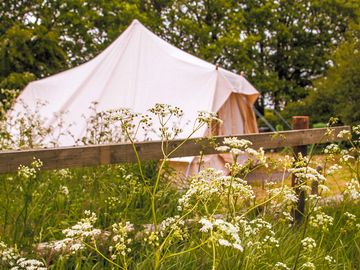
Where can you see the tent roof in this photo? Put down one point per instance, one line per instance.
(136, 71)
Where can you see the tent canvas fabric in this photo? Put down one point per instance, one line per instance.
(136, 71)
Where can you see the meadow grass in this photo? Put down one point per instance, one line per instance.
(37, 212)
(134, 216)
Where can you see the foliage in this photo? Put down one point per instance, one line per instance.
(40, 38)
(280, 45)
(337, 93)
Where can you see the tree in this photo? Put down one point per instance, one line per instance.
(281, 45)
(39, 38)
(337, 94)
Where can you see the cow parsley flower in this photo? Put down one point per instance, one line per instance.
(211, 182)
(333, 169)
(281, 266)
(329, 259)
(11, 257)
(308, 244)
(308, 173)
(308, 265)
(344, 134)
(352, 190)
(64, 190)
(78, 234)
(332, 149)
(224, 233)
(173, 228)
(121, 239)
(320, 220)
(152, 238)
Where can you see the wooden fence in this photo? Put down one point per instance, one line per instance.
(93, 155)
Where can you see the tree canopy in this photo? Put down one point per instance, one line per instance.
(337, 94)
(280, 45)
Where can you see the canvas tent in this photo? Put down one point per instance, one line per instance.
(136, 71)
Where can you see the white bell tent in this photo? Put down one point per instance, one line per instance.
(136, 71)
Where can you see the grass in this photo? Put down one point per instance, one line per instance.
(37, 209)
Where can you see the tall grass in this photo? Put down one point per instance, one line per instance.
(134, 216)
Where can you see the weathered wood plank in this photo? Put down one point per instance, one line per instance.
(93, 155)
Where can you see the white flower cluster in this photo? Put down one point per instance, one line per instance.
(64, 173)
(77, 234)
(345, 156)
(11, 258)
(351, 220)
(333, 169)
(352, 190)
(240, 146)
(344, 134)
(165, 110)
(223, 233)
(112, 202)
(329, 259)
(208, 118)
(209, 182)
(152, 238)
(281, 266)
(258, 233)
(356, 129)
(121, 239)
(320, 220)
(175, 227)
(308, 243)
(332, 149)
(237, 143)
(308, 173)
(283, 199)
(30, 172)
(308, 265)
(64, 190)
(285, 162)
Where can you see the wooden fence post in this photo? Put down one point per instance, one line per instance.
(299, 122)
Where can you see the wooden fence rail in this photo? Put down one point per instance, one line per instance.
(93, 155)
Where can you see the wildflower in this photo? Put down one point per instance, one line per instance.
(308, 173)
(332, 149)
(152, 238)
(352, 190)
(222, 148)
(207, 225)
(259, 232)
(356, 129)
(121, 239)
(12, 258)
(321, 220)
(350, 223)
(329, 259)
(308, 243)
(77, 234)
(283, 199)
(173, 226)
(64, 190)
(333, 169)
(308, 265)
(207, 117)
(344, 134)
(224, 233)
(211, 182)
(346, 158)
(164, 110)
(281, 266)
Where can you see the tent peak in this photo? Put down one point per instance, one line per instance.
(135, 22)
